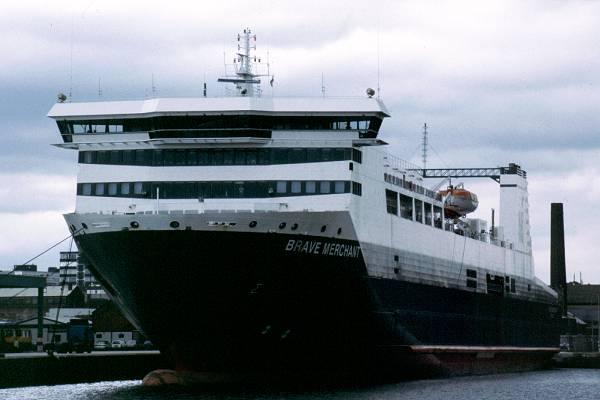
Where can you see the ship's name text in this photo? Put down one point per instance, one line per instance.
(323, 248)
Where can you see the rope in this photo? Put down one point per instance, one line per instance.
(60, 299)
(16, 294)
(48, 249)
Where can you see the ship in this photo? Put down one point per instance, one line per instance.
(248, 232)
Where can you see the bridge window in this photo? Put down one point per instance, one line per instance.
(428, 213)
(86, 189)
(230, 124)
(251, 157)
(240, 157)
(406, 207)
(173, 157)
(194, 190)
(313, 155)
(297, 155)
(138, 188)
(115, 157)
(180, 157)
(169, 157)
(418, 210)
(391, 201)
(437, 217)
(281, 186)
(228, 157)
(192, 157)
(325, 187)
(79, 128)
(217, 157)
(296, 187)
(125, 188)
(99, 189)
(128, 157)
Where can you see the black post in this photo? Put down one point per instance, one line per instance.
(558, 272)
(40, 320)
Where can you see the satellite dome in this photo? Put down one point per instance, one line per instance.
(370, 92)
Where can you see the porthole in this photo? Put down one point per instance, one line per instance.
(282, 225)
(323, 228)
(134, 224)
(253, 224)
(174, 224)
(294, 227)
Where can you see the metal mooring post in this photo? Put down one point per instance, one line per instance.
(40, 319)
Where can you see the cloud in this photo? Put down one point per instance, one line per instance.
(24, 235)
(36, 192)
(31, 208)
(496, 81)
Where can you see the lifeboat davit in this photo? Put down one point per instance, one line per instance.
(458, 201)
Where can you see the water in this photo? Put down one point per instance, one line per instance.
(544, 385)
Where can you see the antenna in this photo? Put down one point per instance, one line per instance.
(99, 88)
(245, 77)
(322, 85)
(153, 86)
(378, 53)
(71, 59)
(425, 143)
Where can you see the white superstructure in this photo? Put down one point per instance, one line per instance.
(217, 159)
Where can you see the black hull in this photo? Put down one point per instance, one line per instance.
(225, 301)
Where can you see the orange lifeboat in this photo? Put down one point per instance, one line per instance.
(458, 201)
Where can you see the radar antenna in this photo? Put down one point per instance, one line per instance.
(425, 143)
(245, 75)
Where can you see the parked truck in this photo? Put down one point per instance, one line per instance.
(80, 337)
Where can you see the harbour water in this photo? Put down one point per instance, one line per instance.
(546, 385)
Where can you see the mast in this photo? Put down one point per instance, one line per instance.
(424, 146)
(245, 77)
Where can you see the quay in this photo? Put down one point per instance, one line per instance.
(577, 360)
(34, 369)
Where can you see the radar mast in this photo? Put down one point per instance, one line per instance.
(245, 76)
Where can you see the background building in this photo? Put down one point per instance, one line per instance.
(52, 275)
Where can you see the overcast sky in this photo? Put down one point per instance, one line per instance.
(496, 82)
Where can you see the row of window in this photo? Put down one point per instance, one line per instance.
(413, 209)
(207, 190)
(245, 156)
(471, 278)
(220, 122)
(17, 332)
(409, 185)
(494, 282)
(498, 284)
